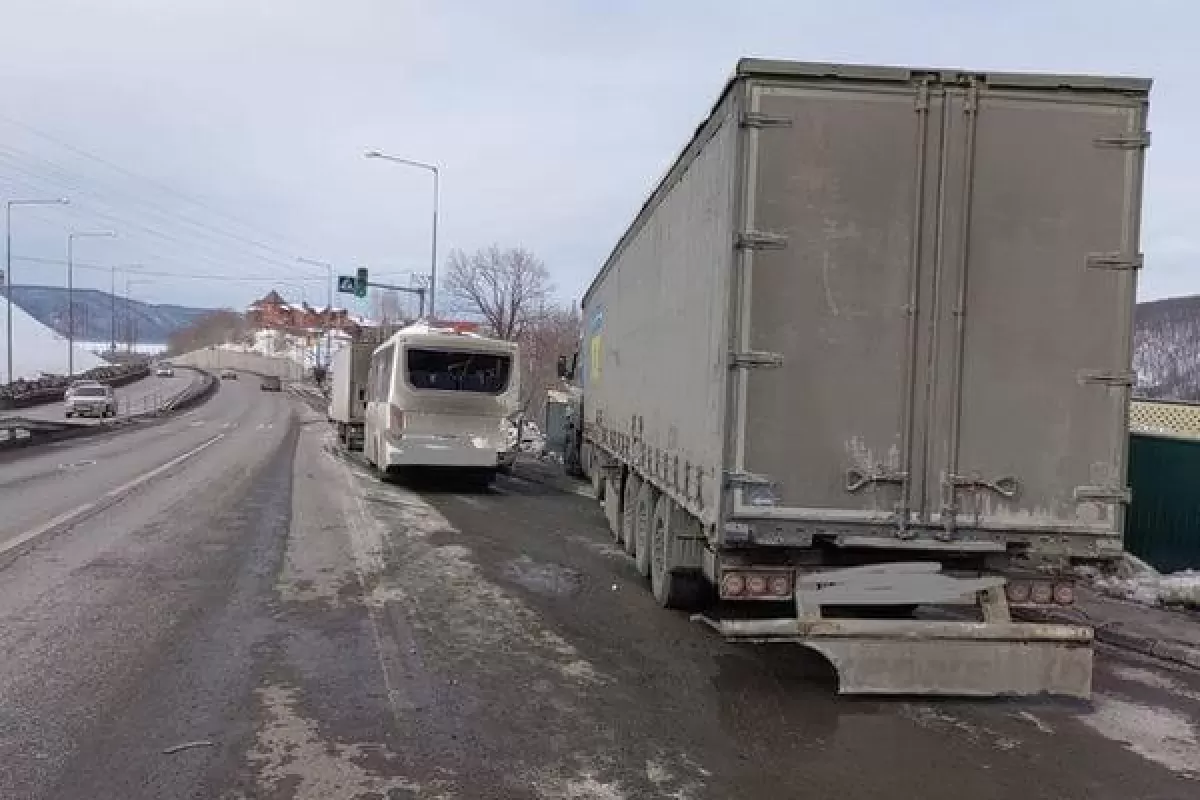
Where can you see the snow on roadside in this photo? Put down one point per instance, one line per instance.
(1141, 583)
(38, 350)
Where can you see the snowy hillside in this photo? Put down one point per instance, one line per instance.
(1167, 348)
(38, 350)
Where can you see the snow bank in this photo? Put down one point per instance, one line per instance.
(37, 350)
(1143, 584)
(277, 344)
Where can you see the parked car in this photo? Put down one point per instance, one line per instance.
(164, 370)
(228, 375)
(271, 384)
(90, 400)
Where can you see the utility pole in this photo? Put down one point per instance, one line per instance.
(71, 237)
(328, 305)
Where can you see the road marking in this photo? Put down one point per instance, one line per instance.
(159, 470)
(61, 519)
(77, 512)
(77, 464)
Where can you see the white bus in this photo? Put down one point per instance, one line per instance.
(438, 397)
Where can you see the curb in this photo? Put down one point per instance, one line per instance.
(1172, 650)
(1166, 649)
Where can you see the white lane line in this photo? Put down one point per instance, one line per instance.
(61, 519)
(79, 511)
(179, 459)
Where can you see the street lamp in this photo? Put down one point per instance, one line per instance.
(71, 237)
(329, 295)
(112, 296)
(8, 207)
(129, 311)
(433, 256)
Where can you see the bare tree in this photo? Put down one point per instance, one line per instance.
(217, 327)
(509, 289)
(554, 332)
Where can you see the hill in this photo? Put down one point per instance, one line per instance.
(94, 311)
(38, 350)
(1166, 344)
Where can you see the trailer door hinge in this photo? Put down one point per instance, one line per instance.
(757, 119)
(757, 490)
(1125, 141)
(1117, 261)
(759, 240)
(1103, 494)
(755, 358)
(1107, 378)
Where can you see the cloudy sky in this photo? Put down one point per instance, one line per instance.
(225, 137)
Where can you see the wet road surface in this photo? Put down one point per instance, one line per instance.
(304, 631)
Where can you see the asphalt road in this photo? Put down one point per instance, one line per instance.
(134, 398)
(304, 631)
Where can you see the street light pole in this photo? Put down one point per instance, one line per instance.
(8, 284)
(112, 295)
(129, 310)
(71, 237)
(436, 201)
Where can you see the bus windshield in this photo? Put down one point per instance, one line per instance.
(458, 371)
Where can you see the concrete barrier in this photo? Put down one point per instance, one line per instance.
(214, 359)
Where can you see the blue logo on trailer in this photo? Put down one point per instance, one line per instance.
(593, 352)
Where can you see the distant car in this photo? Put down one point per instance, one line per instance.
(228, 375)
(164, 371)
(90, 400)
(271, 384)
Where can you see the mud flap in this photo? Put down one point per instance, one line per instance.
(920, 657)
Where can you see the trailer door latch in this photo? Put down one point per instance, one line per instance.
(858, 478)
(1103, 494)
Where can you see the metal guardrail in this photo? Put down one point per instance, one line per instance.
(17, 431)
(22, 394)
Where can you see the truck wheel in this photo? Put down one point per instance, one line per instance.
(643, 514)
(596, 474)
(628, 537)
(683, 591)
(612, 502)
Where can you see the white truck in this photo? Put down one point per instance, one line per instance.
(867, 348)
(348, 392)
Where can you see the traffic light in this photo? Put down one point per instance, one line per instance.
(360, 282)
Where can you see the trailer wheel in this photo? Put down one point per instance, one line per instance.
(628, 537)
(643, 518)
(683, 591)
(596, 473)
(612, 502)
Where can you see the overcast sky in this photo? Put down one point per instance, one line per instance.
(225, 137)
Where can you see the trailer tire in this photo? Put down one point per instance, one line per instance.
(628, 537)
(596, 473)
(679, 590)
(643, 518)
(612, 502)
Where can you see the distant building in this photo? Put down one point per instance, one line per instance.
(272, 312)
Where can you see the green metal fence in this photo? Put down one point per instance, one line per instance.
(1162, 524)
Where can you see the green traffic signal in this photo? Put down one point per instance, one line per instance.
(360, 282)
